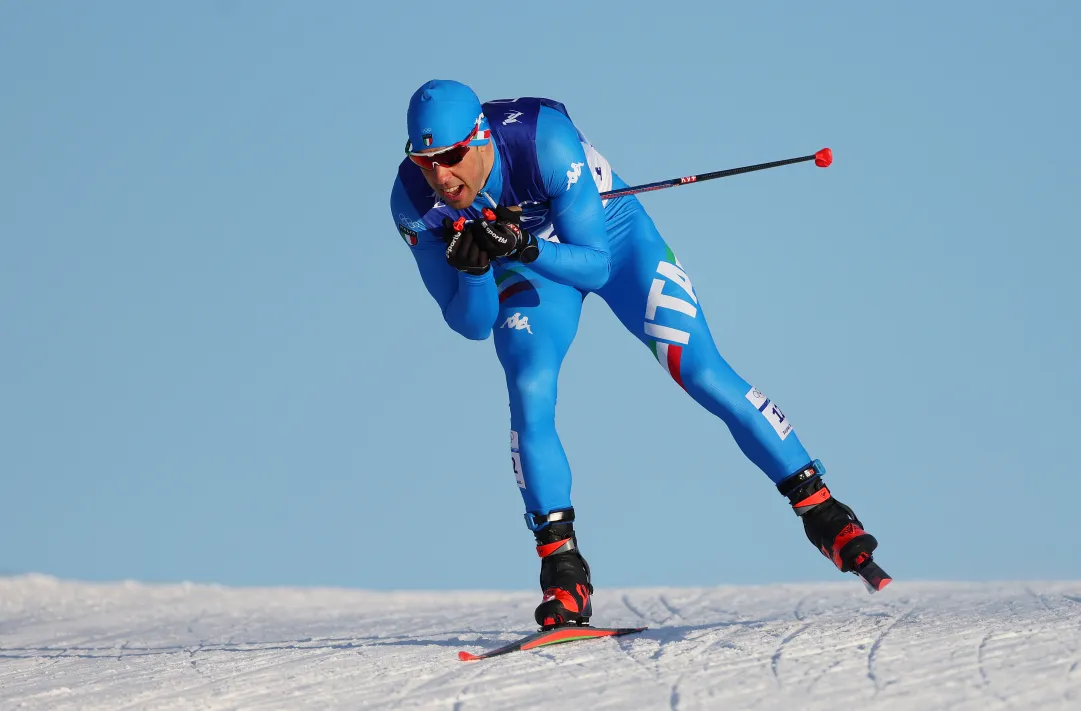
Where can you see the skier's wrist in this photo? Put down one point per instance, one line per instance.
(530, 249)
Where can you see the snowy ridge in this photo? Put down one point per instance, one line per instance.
(71, 645)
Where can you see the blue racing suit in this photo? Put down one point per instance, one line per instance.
(587, 245)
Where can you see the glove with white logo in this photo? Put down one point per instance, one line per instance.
(462, 251)
(500, 234)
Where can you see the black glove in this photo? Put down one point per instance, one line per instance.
(500, 234)
(462, 251)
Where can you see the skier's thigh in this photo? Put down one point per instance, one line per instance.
(537, 321)
(649, 291)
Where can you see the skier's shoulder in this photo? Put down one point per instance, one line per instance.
(561, 153)
(414, 206)
(556, 132)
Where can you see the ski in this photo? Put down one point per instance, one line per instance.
(556, 635)
(872, 575)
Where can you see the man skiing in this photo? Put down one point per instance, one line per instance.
(500, 205)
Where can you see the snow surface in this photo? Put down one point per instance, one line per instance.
(72, 645)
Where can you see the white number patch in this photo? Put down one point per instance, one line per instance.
(771, 412)
(516, 460)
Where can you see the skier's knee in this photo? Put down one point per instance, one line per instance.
(718, 389)
(535, 390)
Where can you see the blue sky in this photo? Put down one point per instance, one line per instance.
(218, 362)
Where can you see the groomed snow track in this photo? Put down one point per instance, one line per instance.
(986, 646)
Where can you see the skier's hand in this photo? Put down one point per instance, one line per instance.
(500, 234)
(463, 253)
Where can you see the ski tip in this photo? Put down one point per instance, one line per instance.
(824, 158)
(464, 656)
(877, 584)
(873, 576)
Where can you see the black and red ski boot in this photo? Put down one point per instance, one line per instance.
(564, 575)
(830, 525)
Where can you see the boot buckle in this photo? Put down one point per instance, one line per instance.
(536, 522)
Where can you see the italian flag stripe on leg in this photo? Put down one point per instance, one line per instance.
(508, 272)
(670, 256)
(669, 356)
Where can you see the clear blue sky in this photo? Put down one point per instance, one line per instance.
(218, 362)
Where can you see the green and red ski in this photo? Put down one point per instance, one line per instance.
(556, 635)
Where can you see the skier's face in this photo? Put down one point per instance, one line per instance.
(458, 185)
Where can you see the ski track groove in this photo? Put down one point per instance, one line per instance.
(776, 659)
(174, 693)
(799, 606)
(673, 696)
(624, 646)
(633, 609)
(191, 657)
(872, 654)
(979, 658)
(673, 612)
(108, 652)
(814, 682)
(984, 678)
(414, 683)
(62, 654)
(459, 701)
(471, 676)
(472, 673)
(1053, 628)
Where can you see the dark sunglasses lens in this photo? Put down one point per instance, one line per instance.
(423, 161)
(447, 158)
(453, 157)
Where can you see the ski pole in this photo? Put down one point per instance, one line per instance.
(822, 159)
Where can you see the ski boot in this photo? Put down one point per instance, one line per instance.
(564, 576)
(831, 526)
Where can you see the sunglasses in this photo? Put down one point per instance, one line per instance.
(448, 157)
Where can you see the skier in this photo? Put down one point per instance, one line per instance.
(500, 206)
